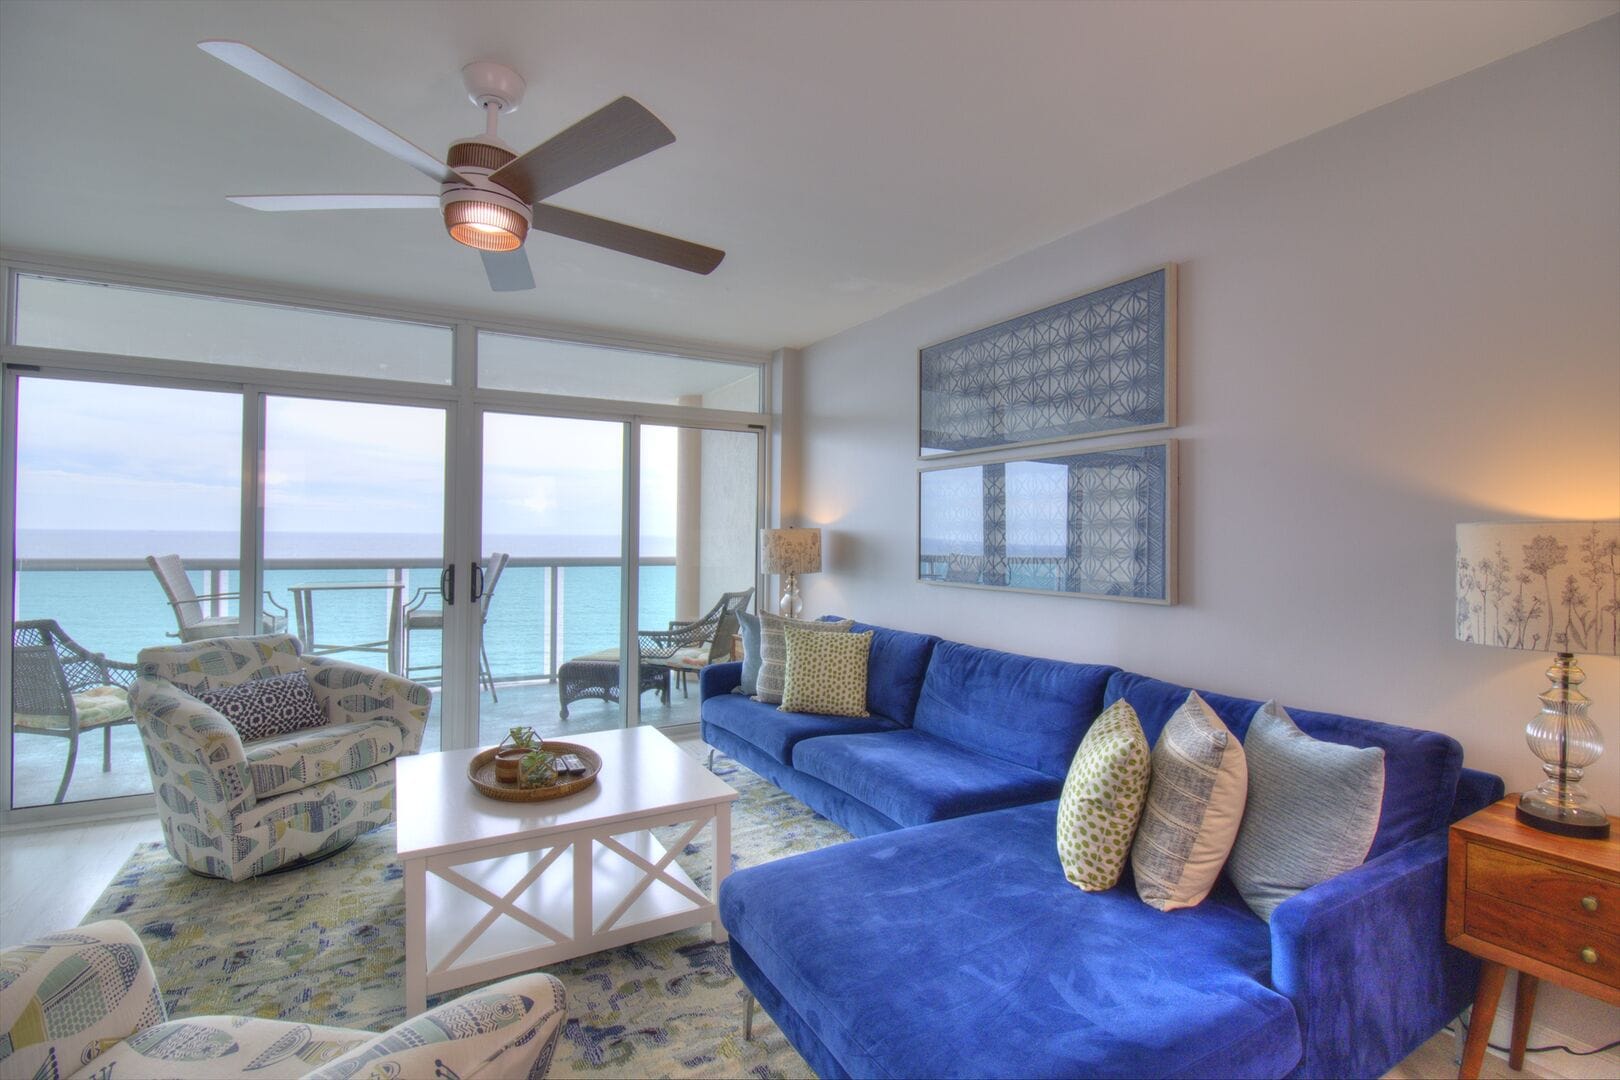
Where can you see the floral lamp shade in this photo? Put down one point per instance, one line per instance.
(791, 551)
(1549, 586)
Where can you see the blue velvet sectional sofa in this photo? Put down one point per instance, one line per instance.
(946, 942)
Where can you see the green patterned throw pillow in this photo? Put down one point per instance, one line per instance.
(773, 651)
(1102, 799)
(826, 673)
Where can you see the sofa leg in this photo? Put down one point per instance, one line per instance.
(748, 1017)
(711, 759)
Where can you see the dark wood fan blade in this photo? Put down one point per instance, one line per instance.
(508, 270)
(681, 254)
(606, 139)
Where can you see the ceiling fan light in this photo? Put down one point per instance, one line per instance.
(486, 226)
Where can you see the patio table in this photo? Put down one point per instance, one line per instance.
(303, 598)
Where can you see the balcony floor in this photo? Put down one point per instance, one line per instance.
(38, 760)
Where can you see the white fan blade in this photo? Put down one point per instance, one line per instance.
(508, 270)
(254, 64)
(337, 202)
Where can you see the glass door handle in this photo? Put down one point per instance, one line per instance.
(447, 584)
(477, 582)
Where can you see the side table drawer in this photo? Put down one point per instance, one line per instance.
(1583, 949)
(1558, 891)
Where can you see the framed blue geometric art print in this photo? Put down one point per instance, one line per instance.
(1098, 523)
(1102, 363)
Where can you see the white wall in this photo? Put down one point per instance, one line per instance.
(1401, 323)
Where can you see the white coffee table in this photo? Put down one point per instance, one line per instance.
(493, 888)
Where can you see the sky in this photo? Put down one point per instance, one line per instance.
(120, 458)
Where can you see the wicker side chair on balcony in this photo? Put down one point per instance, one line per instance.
(62, 689)
(236, 810)
(188, 608)
(689, 647)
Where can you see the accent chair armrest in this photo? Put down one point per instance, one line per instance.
(351, 693)
(44, 1032)
(193, 751)
(717, 679)
(508, 1029)
(1363, 957)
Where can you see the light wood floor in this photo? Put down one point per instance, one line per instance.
(49, 878)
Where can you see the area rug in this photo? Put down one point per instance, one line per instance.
(326, 945)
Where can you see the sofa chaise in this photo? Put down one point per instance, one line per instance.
(947, 942)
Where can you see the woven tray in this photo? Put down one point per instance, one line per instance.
(481, 771)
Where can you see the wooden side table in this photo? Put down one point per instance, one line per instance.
(1547, 906)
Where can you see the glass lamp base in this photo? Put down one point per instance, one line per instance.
(1538, 812)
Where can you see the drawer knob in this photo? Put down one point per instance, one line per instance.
(1589, 955)
(1589, 903)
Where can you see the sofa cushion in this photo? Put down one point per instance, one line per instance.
(1313, 810)
(1021, 709)
(826, 673)
(1021, 973)
(1102, 799)
(914, 778)
(1420, 767)
(773, 651)
(1194, 807)
(266, 708)
(896, 670)
(294, 762)
(775, 732)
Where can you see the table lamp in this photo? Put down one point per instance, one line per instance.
(791, 552)
(1548, 586)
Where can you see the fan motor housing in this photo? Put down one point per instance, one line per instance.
(481, 214)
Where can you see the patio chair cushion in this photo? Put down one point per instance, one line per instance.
(96, 707)
(293, 762)
(266, 708)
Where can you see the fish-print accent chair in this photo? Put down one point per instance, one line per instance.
(85, 1003)
(235, 810)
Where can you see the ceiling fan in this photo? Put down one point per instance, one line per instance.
(490, 195)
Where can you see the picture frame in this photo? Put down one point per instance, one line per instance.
(1090, 522)
(1100, 363)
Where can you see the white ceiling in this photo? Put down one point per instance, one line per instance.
(849, 157)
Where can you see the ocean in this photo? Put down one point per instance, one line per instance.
(119, 612)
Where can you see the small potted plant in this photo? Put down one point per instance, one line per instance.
(539, 768)
(509, 755)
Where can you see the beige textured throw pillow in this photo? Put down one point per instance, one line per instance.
(1102, 799)
(773, 651)
(1194, 808)
(826, 673)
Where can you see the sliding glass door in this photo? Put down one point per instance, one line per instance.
(128, 519)
(353, 525)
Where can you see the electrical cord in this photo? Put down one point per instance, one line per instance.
(1545, 1049)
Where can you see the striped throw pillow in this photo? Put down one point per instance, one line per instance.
(773, 651)
(1313, 810)
(1194, 808)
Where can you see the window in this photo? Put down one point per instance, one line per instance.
(86, 316)
(539, 365)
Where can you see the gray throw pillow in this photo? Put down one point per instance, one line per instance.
(1313, 810)
(748, 626)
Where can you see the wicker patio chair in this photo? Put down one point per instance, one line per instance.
(687, 647)
(188, 609)
(60, 688)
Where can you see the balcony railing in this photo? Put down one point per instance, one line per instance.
(595, 625)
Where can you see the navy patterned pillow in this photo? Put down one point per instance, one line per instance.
(265, 708)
